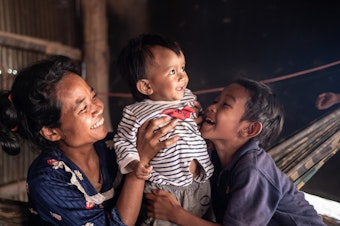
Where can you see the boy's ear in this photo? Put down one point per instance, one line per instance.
(252, 130)
(50, 134)
(144, 86)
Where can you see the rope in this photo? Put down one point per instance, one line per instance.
(214, 90)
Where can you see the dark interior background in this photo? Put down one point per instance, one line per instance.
(259, 39)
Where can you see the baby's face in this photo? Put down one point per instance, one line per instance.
(166, 74)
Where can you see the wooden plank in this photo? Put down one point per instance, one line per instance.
(12, 189)
(39, 45)
(96, 50)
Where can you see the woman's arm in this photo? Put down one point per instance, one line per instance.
(130, 198)
(148, 144)
(162, 205)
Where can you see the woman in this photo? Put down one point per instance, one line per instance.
(74, 181)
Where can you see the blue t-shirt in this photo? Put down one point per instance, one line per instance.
(252, 190)
(60, 193)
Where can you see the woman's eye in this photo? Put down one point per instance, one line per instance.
(94, 96)
(84, 108)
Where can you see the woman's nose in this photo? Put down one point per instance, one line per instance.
(97, 107)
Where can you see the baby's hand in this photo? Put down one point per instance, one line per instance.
(143, 171)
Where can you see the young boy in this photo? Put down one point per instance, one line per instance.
(155, 69)
(247, 187)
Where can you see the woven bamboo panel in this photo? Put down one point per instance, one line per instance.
(52, 20)
(301, 155)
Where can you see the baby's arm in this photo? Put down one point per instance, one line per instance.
(142, 171)
(125, 141)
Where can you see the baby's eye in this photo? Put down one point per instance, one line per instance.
(172, 72)
(183, 69)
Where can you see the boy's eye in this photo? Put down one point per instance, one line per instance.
(226, 104)
(183, 69)
(172, 72)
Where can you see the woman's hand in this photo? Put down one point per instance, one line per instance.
(148, 144)
(149, 134)
(162, 205)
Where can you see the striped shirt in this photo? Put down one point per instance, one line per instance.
(170, 165)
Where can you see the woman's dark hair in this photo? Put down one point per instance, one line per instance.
(8, 122)
(32, 103)
(264, 107)
(132, 59)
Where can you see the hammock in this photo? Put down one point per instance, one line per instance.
(301, 155)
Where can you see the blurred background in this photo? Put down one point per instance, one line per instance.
(224, 39)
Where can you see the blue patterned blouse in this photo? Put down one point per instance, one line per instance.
(60, 193)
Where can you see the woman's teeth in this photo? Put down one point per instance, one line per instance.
(100, 123)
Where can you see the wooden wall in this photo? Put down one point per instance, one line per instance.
(30, 31)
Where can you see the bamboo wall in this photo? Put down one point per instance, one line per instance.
(52, 20)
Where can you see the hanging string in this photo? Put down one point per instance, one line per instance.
(214, 90)
(300, 73)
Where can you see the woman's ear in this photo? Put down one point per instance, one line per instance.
(252, 130)
(144, 86)
(50, 134)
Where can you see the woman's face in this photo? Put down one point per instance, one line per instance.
(82, 119)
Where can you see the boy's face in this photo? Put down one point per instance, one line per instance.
(222, 121)
(166, 74)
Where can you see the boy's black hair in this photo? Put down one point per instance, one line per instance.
(132, 59)
(263, 106)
